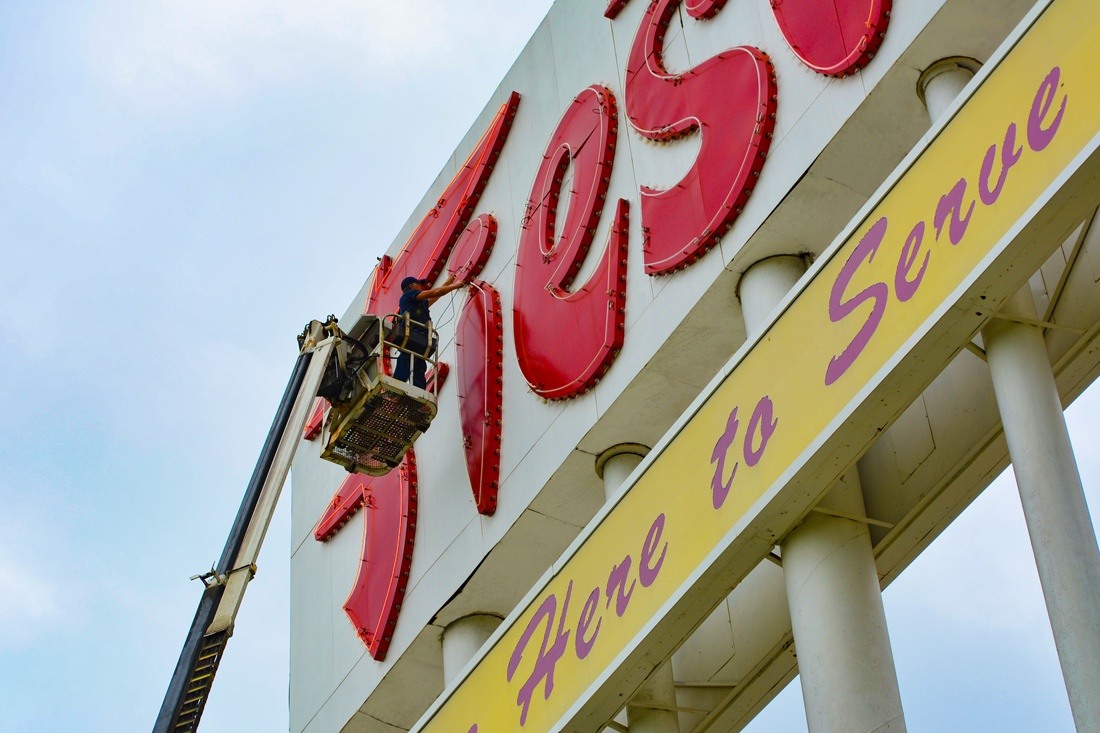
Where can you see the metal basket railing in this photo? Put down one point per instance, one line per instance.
(374, 419)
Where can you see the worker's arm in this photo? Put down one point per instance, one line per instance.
(433, 294)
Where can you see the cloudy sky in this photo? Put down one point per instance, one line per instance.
(184, 185)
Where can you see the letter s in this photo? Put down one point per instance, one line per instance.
(840, 309)
(730, 100)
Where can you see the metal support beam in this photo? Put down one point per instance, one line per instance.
(669, 708)
(976, 350)
(1036, 322)
(1071, 262)
(854, 517)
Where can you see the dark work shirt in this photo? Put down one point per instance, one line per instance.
(417, 309)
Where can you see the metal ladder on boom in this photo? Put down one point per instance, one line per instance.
(372, 422)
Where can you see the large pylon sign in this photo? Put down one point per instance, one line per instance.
(635, 163)
(902, 293)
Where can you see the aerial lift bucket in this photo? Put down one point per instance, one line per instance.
(374, 419)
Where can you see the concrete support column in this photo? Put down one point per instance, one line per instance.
(461, 641)
(1053, 498)
(616, 464)
(649, 710)
(764, 285)
(1062, 536)
(941, 82)
(845, 663)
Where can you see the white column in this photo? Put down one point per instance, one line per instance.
(1062, 536)
(616, 464)
(941, 82)
(461, 641)
(646, 712)
(763, 285)
(845, 663)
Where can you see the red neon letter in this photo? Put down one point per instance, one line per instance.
(375, 598)
(427, 249)
(566, 340)
(833, 37)
(730, 100)
(479, 350)
(389, 531)
(473, 248)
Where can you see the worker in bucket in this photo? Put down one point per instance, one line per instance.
(416, 296)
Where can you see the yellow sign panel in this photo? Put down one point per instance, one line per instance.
(900, 275)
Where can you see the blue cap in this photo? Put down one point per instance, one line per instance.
(409, 281)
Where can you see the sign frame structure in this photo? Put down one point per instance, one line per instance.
(751, 456)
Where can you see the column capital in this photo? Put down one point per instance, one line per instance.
(633, 449)
(945, 66)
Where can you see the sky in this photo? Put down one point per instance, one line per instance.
(186, 184)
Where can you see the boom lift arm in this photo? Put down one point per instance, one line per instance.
(226, 582)
(373, 421)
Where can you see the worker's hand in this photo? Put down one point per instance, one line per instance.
(450, 279)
